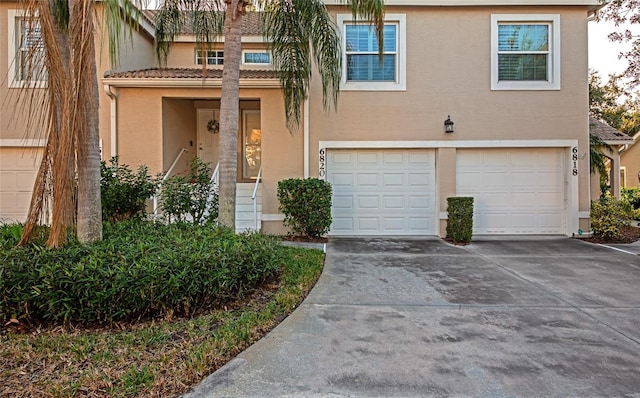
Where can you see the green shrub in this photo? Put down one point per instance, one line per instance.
(140, 270)
(306, 205)
(608, 216)
(124, 193)
(190, 197)
(632, 195)
(460, 219)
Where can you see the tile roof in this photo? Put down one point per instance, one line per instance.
(607, 133)
(188, 73)
(251, 25)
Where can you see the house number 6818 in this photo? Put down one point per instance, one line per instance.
(574, 160)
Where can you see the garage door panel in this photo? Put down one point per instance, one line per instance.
(367, 160)
(341, 224)
(368, 180)
(368, 202)
(389, 194)
(393, 180)
(420, 159)
(342, 202)
(18, 171)
(343, 179)
(420, 202)
(521, 191)
(393, 202)
(393, 159)
(419, 179)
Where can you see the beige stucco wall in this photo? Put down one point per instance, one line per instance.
(180, 131)
(135, 51)
(631, 160)
(14, 119)
(448, 73)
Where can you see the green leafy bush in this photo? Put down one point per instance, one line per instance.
(123, 192)
(306, 205)
(140, 270)
(632, 195)
(190, 197)
(608, 216)
(460, 219)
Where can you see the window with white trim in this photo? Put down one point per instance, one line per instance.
(362, 67)
(525, 52)
(213, 57)
(26, 50)
(256, 58)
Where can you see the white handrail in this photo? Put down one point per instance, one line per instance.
(173, 165)
(253, 197)
(213, 182)
(215, 176)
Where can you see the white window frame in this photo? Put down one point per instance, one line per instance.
(198, 56)
(245, 52)
(401, 57)
(12, 49)
(553, 65)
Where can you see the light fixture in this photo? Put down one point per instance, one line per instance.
(448, 125)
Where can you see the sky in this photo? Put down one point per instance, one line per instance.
(603, 54)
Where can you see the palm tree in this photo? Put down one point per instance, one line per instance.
(299, 32)
(71, 122)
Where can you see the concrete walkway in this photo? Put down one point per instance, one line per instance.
(409, 318)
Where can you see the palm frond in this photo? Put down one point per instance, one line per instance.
(203, 18)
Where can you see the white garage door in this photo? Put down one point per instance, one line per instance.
(516, 191)
(18, 169)
(382, 192)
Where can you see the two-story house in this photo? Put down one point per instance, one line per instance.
(474, 98)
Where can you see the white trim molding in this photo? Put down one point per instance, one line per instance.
(449, 144)
(272, 217)
(22, 143)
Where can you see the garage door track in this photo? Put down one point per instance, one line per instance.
(415, 317)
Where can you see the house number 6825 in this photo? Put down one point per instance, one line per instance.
(574, 160)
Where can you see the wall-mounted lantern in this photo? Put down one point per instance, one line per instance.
(448, 125)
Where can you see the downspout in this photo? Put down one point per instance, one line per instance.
(305, 144)
(113, 119)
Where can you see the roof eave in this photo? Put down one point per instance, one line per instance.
(186, 83)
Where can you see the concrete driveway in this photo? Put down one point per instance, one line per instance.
(497, 318)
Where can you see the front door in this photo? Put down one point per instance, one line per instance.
(208, 136)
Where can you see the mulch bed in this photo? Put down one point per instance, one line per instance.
(298, 238)
(628, 235)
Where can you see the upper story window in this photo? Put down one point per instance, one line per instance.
(525, 52)
(256, 58)
(213, 57)
(362, 68)
(26, 51)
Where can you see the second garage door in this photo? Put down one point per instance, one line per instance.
(516, 191)
(382, 192)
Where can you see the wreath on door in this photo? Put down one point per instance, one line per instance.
(213, 126)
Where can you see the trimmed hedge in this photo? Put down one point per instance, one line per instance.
(139, 271)
(306, 205)
(460, 219)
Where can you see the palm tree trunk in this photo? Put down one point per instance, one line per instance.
(57, 62)
(89, 221)
(229, 113)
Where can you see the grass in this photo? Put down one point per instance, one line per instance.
(156, 358)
